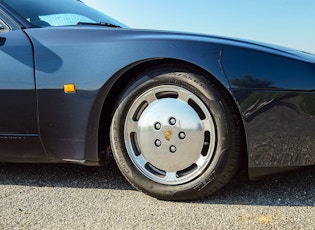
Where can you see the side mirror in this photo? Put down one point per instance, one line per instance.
(2, 41)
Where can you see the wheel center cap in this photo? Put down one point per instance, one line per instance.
(170, 135)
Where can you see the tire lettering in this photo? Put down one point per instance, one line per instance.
(119, 145)
(203, 184)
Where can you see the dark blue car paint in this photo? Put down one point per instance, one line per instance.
(273, 89)
(276, 98)
(17, 83)
(100, 54)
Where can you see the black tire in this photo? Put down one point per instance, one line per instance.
(175, 134)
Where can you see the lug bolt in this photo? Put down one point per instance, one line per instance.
(182, 135)
(158, 143)
(172, 149)
(172, 121)
(157, 125)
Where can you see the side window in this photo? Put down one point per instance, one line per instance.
(3, 27)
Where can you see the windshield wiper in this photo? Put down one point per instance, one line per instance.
(99, 24)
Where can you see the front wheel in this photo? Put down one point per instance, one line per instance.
(175, 135)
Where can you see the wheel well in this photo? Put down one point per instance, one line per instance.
(128, 76)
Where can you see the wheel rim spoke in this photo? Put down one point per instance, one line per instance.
(183, 96)
(171, 176)
(207, 124)
(150, 97)
(200, 162)
(141, 160)
(132, 126)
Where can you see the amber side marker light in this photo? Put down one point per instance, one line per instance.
(69, 88)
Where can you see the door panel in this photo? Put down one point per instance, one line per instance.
(17, 84)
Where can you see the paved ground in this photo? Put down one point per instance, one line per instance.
(78, 197)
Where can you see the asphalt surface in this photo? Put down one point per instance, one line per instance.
(53, 196)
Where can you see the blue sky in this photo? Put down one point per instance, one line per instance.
(288, 23)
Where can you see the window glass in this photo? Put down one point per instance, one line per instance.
(3, 27)
(44, 13)
(63, 19)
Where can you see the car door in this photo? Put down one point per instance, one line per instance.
(17, 84)
(19, 135)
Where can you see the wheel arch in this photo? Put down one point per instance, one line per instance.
(125, 77)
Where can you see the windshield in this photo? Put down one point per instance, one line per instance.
(45, 13)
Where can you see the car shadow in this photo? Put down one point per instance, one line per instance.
(292, 189)
(63, 175)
